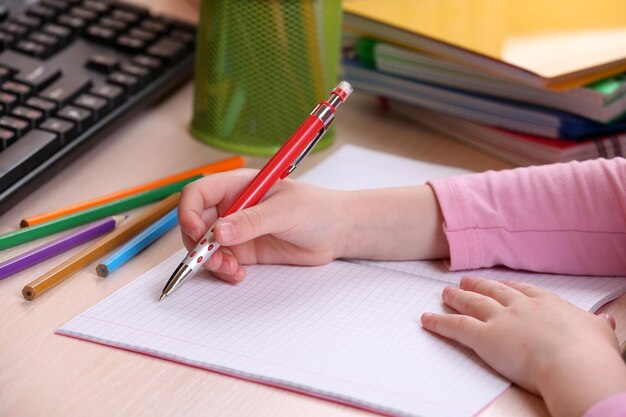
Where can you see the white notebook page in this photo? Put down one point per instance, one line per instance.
(345, 331)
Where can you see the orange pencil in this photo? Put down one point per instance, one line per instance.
(223, 165)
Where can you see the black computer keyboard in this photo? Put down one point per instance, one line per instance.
(69, 69)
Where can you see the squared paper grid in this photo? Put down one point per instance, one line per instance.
(342, 331)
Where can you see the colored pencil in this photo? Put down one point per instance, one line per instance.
(62, 244)
(109, 242)
(138, 243)
(95, 213)
(223, 165)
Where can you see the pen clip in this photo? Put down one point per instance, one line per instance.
(304, 153)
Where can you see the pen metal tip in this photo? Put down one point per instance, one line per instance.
(163, 295)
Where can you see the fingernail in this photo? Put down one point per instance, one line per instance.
(240, 275)
(227, 229)
(426, 317)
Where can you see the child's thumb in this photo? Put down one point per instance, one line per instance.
(246, 225)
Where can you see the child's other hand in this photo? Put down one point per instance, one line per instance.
(537, 340)
(295, 223)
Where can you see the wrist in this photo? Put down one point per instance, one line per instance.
(350, 217)
(390, 224)
(581, 377)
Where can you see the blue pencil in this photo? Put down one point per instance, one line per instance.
(138, 243)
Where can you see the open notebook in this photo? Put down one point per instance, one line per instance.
(345, 331)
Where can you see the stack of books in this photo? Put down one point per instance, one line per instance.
(530, 81)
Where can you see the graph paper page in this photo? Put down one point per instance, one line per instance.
(343, 331)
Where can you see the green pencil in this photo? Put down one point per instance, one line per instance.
(89, 215)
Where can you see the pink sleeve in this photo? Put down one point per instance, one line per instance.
(563, 218)
(614, 406)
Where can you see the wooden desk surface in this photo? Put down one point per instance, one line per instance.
(45, 374)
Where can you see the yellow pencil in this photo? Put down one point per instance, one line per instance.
(101, 247)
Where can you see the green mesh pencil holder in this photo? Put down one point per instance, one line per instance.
(261, 68)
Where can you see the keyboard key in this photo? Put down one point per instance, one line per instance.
(19, 89)
(132, 8)
(12, 28)
(63, 33)
(153, 25)
(57, 5)
(142, 73)
(81, 117)
(182, 35)
(116, 25)
(19, 126)
(32, 48)
(84, 14)
(129, 82)
(65, 89)
(30, 22)
(76, 23)
(45, 106)
(100, 34)
(49, 41)
(42, 12)
(142, 34)
(125, 16)
(64, 129)
(155, 64)
(32, 116)
(130, 44)
(97, 105)
(103, 63)
(38, 76)
(26, 154)
(112, 93)
(8, 101)
(167, 49)
(99, 7)
(7, 138)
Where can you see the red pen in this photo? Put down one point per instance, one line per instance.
(283, 163)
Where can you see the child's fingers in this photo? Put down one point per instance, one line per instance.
(206, 193)
(224, 265)
(238, 276)
(463, 329)
(527, 289)
(470, 303)
(500, 292)
(188, 241)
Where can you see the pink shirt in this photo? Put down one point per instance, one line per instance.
(564, 218)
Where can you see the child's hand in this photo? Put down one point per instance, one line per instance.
(295, 223)
(537, 340)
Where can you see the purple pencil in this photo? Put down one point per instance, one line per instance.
(62, 244)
